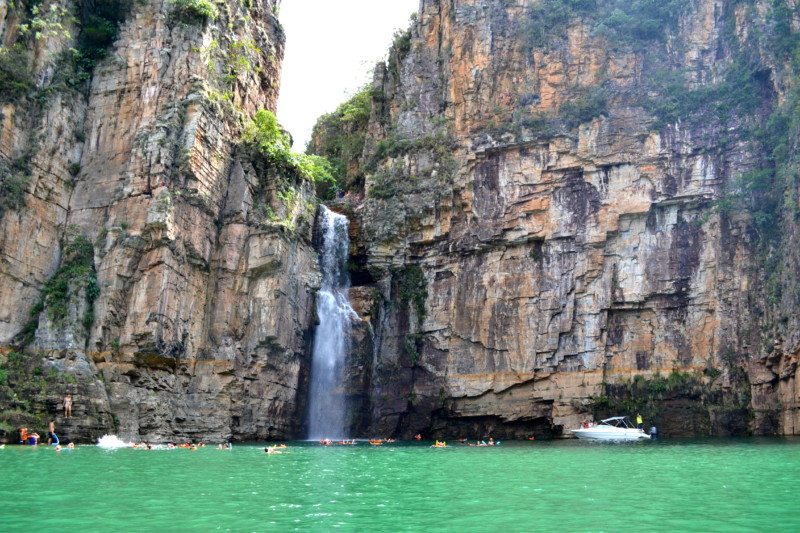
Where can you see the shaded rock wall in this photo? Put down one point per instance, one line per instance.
(564, 251)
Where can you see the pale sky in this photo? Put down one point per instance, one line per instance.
(331, 49)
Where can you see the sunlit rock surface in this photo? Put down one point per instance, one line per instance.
(203, 317)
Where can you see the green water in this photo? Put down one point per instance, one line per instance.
(719, 485)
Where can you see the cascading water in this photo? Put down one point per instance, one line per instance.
(327, 409)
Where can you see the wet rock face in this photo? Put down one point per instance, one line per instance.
(562, 252)
(202, 320)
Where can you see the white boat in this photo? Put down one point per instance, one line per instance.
(616, 428)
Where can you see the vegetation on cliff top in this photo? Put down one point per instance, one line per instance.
(340, 136)
(270, 150)
(265, 136)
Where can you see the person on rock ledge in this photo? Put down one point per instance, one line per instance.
(639, 421)
(68, 406)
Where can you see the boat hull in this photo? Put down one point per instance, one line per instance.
(610, 434)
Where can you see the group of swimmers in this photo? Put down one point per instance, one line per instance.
(32, 438)
(482, 443)
(464, 441)
(144, 445)
(354, 442)
(418, 437)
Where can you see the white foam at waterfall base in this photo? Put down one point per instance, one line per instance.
(112, 442)
(327, 414)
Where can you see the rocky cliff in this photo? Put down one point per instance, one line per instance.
(150, 263)
(558, 209)
(576, 208)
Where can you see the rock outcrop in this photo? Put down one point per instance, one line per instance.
(201, 305)
(576, 189)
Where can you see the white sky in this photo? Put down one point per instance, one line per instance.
(331, 49)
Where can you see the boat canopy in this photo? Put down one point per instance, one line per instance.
(617, 421)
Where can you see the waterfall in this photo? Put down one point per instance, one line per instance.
(327, 410)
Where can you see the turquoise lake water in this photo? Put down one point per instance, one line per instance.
(714, 485)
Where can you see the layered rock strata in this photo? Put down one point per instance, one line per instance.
(568, 230)
(203, 307)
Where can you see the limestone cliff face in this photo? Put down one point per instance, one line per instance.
(558, 209)
(547, 215)
(193, 311)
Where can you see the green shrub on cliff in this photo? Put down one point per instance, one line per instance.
(588, 104)
(12, 192)
(16, 78)
(99, 23)
(194, 11)
(736, 94)
(622, 22)
(25, 390)
(76, 270)
(409, 286)
(265, 136)
(768, 191)
(340, 137)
